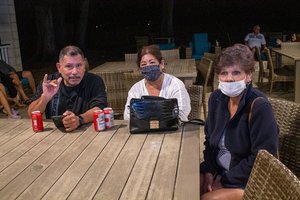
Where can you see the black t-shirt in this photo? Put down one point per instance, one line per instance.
(6, 68)
(86, 95)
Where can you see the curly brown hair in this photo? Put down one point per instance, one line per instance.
(238, 54)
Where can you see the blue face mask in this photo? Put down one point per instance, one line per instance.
(151, 72)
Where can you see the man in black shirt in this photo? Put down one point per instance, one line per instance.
(72, 92)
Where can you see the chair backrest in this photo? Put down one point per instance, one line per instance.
(195, 92)
(116, 90)
(131, 57)
(260, 64)
(211, 56)
(200, 43)
(287, 114)
(286, 46)
(205, 67)
(290, 45)
(270, 63)
(170, 54)
(131, 78)
(271, 179)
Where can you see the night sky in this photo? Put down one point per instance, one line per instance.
(112, 24)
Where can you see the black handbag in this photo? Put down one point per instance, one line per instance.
(151, 113)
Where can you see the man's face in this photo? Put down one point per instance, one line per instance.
(72, 69)
(256, 29)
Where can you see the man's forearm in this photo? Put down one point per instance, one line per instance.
(39, 104)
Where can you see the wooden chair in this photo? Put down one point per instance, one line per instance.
(262, 73)
(116, 90)
(131, 79)
(188, 52)
(211, 56)
(130, 57)
(214, 58)
(278, 75)
(287, 114)
(271, 179)
(195, 92)
(205, 68)
(170, 54)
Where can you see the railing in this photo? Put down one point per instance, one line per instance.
(3, 52)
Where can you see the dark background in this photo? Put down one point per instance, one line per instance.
(113, 24)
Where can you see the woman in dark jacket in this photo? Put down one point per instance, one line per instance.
(240, 122)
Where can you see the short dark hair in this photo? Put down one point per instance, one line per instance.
(70, 51)
(237, 54)
(151, 49)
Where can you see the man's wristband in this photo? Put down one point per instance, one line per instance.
(81, 121)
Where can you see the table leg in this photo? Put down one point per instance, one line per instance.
(297, 81)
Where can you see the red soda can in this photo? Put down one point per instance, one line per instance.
(37, 121)
(99, 122)
(109, 117)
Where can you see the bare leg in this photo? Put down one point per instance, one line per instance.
(224, 194)
(28, 75)
(5, 104)
(19, 86)
(2, 89)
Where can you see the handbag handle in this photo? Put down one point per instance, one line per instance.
(199, 122)
(152, 97)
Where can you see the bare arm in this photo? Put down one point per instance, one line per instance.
(39, 104)
(50, 88)
(71, 121)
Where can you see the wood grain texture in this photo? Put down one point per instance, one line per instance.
(84, 164)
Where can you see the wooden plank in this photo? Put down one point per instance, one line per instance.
(114, 182)
(14, 138)
(163, 181)
(188, 173)
(23, 180)
(27, 158)
(140, 177)
(8, 125)
(94, 177)
(16, 153)
(46, 180)
(67, 182)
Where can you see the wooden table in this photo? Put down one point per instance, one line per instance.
(185, 69)
(85, 164)
(293, 53)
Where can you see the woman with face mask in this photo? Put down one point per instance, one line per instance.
(238, 125)
(157, 83)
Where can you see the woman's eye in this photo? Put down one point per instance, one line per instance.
(236, 73)
(223, 73)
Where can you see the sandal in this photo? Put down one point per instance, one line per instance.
(14, 117)
(14, 112)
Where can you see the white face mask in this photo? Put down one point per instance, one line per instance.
(232, 89)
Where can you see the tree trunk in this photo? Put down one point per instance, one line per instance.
(82, 22)
(167, 18)
(46, 45)
(59, 22)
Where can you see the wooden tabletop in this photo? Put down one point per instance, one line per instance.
(293, 53)
(85, 164)
(185, 69)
